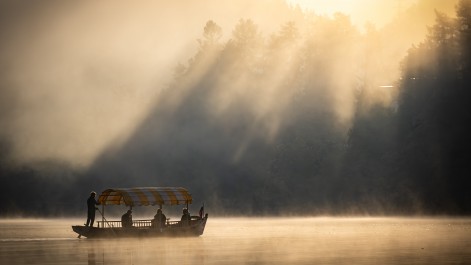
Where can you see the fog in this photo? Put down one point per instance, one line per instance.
(79, 77)
(250, 240)
(206, 94)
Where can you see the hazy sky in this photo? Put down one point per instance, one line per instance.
(76, 77)
(379, 12)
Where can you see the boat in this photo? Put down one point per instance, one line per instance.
(144, 196)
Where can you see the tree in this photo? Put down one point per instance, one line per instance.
(433, 112)
(212, 33)
(464, 28)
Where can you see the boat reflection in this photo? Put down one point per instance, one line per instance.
(145, 251)
(92, 256)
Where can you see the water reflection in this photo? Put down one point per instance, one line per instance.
(92, 256)
(145, 251)
(256, 241)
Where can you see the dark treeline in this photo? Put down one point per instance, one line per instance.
(414, 158)
(291, 123)
(435, 111)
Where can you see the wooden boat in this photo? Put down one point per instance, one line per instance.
(144, 196)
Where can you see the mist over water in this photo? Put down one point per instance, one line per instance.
(250, 240)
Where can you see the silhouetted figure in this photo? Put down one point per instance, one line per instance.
(185, 221)
(126, 219)
(159, 219)
(91, 205)
(201, 212)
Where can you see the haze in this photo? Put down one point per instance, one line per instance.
(78, 77)
(250, 240)
(215, 93)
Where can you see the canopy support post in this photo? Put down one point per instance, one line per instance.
(103, 215)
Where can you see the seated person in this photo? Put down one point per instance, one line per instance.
(126, 219)
(185, 221)
(159, 219)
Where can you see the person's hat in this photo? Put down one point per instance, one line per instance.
(92, 193)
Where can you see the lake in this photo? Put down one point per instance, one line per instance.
(317, 240)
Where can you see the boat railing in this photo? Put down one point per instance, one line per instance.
(139, 223)
(108, 224)
(116, 224)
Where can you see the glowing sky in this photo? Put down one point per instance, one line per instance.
(360, 11)
(77, 77)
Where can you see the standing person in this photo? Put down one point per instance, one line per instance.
(91, 205)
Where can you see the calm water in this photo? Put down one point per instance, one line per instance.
(250, 241)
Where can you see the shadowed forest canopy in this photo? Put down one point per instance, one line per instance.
(316, 116)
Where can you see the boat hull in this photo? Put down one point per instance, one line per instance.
(193, 230)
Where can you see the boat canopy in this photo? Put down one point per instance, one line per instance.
(144, 196)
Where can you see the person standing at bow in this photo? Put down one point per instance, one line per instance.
(91, 205)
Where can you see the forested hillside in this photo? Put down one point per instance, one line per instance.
(310, 119)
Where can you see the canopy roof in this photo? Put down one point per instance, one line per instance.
(143, 196)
